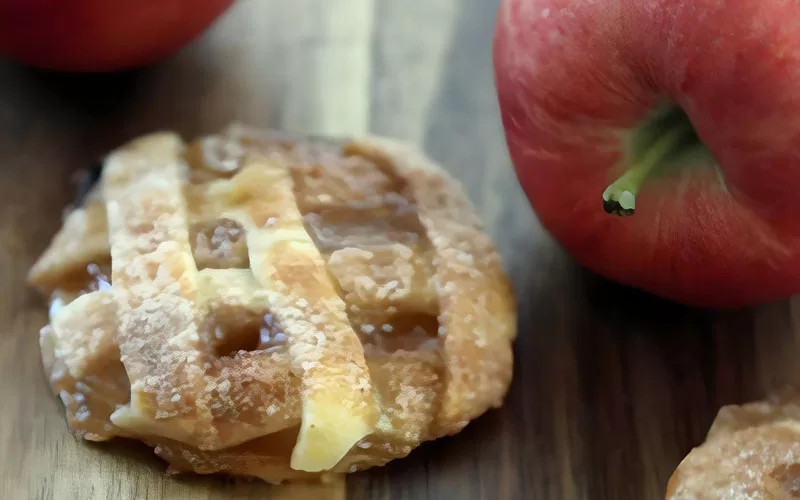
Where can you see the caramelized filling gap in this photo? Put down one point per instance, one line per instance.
(234, 330)
(384, 334)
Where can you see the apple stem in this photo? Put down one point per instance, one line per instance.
(619, 198)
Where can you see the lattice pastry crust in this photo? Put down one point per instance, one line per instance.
(751, 452)
(256, 305)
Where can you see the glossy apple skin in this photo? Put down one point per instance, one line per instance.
(101, 35)
(572, 74)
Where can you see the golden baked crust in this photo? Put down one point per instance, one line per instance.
(751, 452)
(262, 306)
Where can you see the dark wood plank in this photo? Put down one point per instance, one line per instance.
(612, 387)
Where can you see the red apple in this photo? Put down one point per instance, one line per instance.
(681, 119)
(101, 35)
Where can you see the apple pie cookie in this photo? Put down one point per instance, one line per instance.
(751, 451)
(260, 305)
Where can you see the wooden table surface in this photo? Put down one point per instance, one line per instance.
(612, 387)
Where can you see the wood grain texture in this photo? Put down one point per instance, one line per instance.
(612, 387)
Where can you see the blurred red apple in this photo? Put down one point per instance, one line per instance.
(101, 35)
(659, 141)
